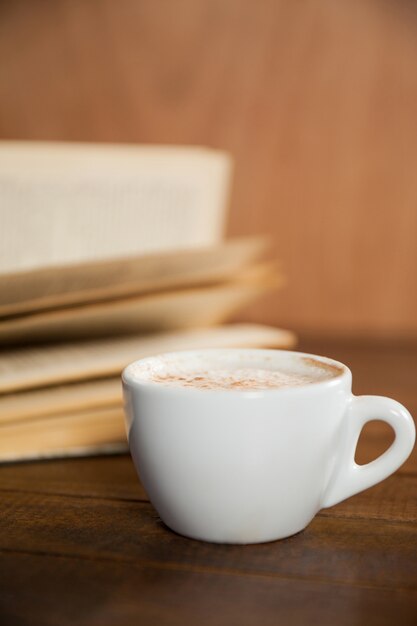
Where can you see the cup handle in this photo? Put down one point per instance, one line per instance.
(348, 477)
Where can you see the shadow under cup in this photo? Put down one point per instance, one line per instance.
(236, 463)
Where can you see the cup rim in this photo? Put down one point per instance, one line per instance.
(134, 381)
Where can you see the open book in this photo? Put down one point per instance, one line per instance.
(65, 203)
(58, 286)
(67, 398)
(109, 254)
(186, 308)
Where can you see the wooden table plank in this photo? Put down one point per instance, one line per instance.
(115, 478)
(358, 551)
(61, 590)
(79, 542)
(104, 477)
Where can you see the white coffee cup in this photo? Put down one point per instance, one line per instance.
(248, 466)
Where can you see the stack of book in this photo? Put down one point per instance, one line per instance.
(109, 254)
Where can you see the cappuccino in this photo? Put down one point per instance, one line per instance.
(243, 466)
(231, 374)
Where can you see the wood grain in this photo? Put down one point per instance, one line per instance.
(111, 477)
(316, 101)
(80, 543)
(65, 590)
(331, 548)
(115, 478)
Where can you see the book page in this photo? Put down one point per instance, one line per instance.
(66, 203)
(83, 432)
(60, 400)
(54, 287)
(164, 311)
(25, 368)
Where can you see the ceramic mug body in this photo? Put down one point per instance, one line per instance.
(240, 466)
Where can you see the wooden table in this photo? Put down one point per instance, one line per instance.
(80, 543)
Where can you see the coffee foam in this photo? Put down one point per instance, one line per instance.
(233, 370)
(247, 378)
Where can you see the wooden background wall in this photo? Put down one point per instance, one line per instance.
(316, 99)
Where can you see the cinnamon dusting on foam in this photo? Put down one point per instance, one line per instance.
(211, 373)
(244, 379)
(327, 368)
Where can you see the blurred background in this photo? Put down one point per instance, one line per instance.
(315, 100)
